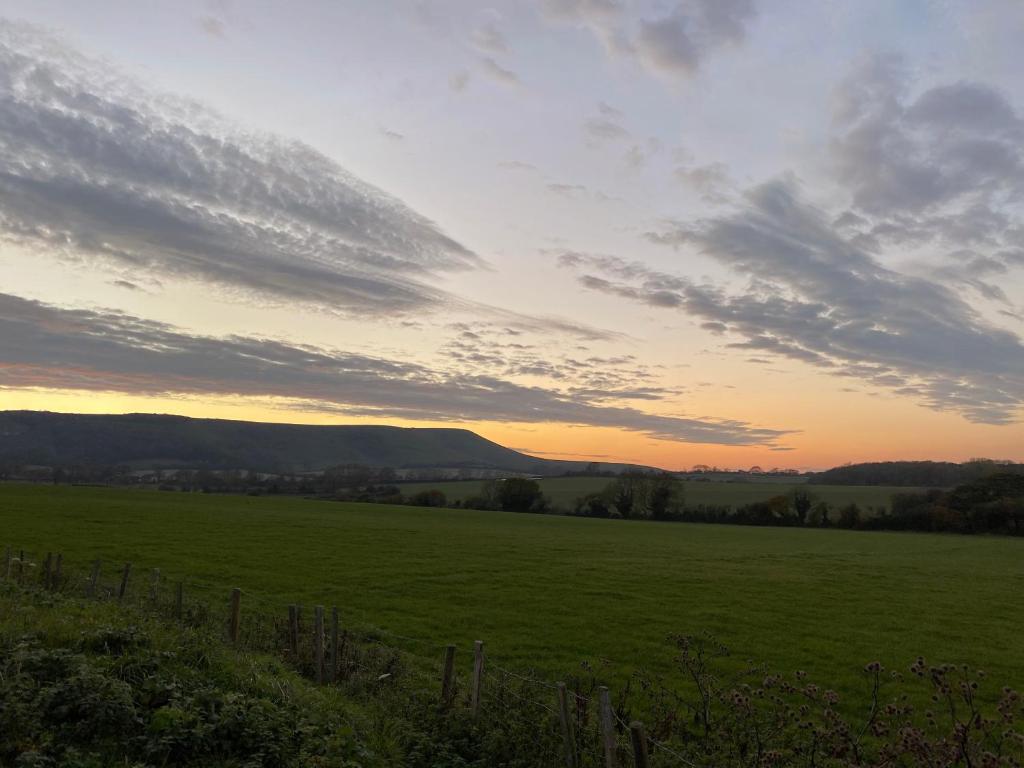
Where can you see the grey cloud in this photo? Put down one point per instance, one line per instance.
(710, 181)
(93, 165)
(606, 125)
(566, 189)
(489, 39)
(579, 10)
(815, 296)
(459, 81)
(947, 164)
(516, 165)
(44, 346)
(675, 44)
(212, 26)
(498, 72)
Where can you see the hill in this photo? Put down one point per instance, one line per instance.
(158, 441)
(930, 474)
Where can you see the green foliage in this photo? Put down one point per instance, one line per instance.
(929, 474)
(564, 492)
(135, 693)
(518, 494)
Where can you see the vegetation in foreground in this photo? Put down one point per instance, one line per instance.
(547, 593)
(93, 682)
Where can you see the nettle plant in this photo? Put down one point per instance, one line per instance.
(937, 716)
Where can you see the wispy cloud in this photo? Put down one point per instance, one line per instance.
(674, 43)
(493, 69)
(816, 297)
(94, 165)
(48, 347)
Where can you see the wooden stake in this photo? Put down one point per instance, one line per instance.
(448, 677)
(56, 578)
(568, 731)
(21, 566)
(124, 581)
(90, 590)
(179, 595)
(607, 728)
(478, 676)
(332, 672)
(154, 584)
(46, 570)
(234, 620)
(639, 738)
(318, 642)
(293, 630)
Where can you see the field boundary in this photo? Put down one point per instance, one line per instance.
(328, 653)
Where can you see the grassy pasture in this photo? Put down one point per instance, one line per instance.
(546, 592)
(563, 491)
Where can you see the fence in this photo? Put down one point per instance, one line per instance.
(585, 728)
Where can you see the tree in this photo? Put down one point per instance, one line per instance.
(802, 501)
(849, 516)
(519, 494)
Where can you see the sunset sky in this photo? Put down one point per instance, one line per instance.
(730, 232)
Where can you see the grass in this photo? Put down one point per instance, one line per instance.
(563, 491)
(546, 592)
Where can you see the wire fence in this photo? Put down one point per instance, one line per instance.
(573, 726)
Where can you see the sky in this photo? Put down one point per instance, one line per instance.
(676, 232)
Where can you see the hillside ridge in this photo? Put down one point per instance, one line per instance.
(174, 441)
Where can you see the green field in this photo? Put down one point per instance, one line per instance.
(563, 491)
(546, 592)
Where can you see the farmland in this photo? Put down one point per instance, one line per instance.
(563, 491)
(546, 592)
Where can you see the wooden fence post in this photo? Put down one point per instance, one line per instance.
(21, 566)
(55, 579)
(478, 676)
(154, 585)
(47, 564)
(123, 590)
(293, 630)
(639, 738)
(90, 589)
(234, 621)
(608, 740)
(448, 677)
(7, 562)
(568, 730)
(318, 642)
(332, 672)
(179, 596)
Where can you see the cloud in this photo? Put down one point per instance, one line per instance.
(814, 296)
(674, 44)
(94, 166)
(44, 346)
(517, 165)
(710, 181)
(459, 81)
(498, 72)
(212, 26)
(489, 39)
(566, 189)
(943, 166)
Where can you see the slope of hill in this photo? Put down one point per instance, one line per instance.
(925, 474)
(157, 441)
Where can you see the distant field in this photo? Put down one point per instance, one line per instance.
(546, 592)
(563, 491)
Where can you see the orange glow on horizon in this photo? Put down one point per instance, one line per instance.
(585, 443)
